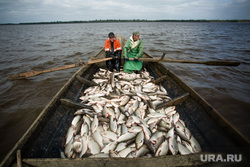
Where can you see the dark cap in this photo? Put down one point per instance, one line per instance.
(111, 35)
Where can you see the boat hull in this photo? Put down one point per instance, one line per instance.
(43, 141)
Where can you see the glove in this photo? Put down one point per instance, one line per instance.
(136, 59)
(126, 58)
(113, 56)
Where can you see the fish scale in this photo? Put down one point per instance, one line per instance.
(124, 122)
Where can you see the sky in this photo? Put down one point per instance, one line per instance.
(21, 11)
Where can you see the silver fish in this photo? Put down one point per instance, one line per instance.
(113, 124)
(126, 136)
(188, 146)
(69, 134)
(156, 136)
(124, 100)
(120, 146)
(163, 149)
(87, 120)
(94, 124)
(121, 119)
(180, 130)
(76, 120)
(172, 142)
(110, 135)
(139, 140)
(94, 148)
(176, 117)
(143, 150)
(146, 131)
(98, 138)
(77, 144)
(183, 150)
(126, 151)
(109, 147)
(84, 145)
(69, 149)
(84, 129)
(195, 145)
(156, 115)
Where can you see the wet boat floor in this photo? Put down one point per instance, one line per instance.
(49, 138)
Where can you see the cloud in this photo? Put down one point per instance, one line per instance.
(68, 10)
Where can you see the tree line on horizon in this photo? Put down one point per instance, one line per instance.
(132, 20)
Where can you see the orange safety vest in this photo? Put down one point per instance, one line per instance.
(117, 45)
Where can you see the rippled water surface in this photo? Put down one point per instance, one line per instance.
(38, 47)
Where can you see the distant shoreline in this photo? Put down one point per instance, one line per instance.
(133, 20)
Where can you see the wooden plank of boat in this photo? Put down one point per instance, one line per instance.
(177, 160)
(41, 143)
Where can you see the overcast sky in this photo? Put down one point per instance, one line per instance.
(16, 11)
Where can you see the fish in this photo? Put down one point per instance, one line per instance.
(84, 145)
(120, 146)
(113, 124)
(93, 147)
(109, 147)
(172, 142)
(187, 145)
(94, 124)
(143, 150)
(163, 149)
(183, 150)
(77, 144)
(76, 120)
(126, 119)
(69, 134)
(98, 138)
(146, 131)
(123, 153)
(156, 136)
(124, 100)
(180, 130)
(135, 129)
(112, 136)
(126, 136)
(84, 129)
(195, 145)
(69, 149)
(139, 139)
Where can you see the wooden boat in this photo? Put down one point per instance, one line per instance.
(42, 142)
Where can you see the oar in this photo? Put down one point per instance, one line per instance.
(34, 73)
(213, 63)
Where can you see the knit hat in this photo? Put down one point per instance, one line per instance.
(137, 33)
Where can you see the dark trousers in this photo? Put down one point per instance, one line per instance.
(114, 63)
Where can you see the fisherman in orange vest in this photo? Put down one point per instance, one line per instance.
(113, 49)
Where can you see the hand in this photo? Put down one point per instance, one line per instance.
(126, 58)
(136, 59)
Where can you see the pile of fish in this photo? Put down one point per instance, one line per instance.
(125, 121)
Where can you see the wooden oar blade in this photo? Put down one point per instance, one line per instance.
(24, 75)
(222, 63)
(34, 73)
(210, 63)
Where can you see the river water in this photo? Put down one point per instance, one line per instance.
(38, 47)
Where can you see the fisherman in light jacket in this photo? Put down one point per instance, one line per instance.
(133, 49)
